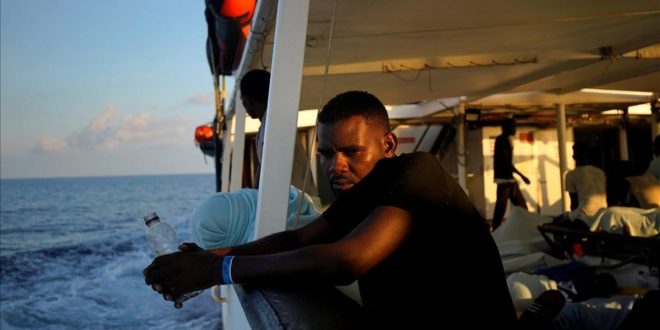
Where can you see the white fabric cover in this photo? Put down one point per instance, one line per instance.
(524, 288)
(515, 248)
(522, 226)
(521, 245)
(628, 221)
(530, 262)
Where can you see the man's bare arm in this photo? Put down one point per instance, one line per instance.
(340, 262)
(522, 176)
(318, 231)
(376, 238)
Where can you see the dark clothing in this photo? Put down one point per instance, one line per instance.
(448, 270)
(507, 186)
(503, 159)
(505, 192)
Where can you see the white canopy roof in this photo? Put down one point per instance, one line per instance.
(411, 51)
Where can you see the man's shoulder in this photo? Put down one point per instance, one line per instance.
(585, 173)
(590, 170)
(417, 158)
(420, 168)
(596, 169)
(570, 174)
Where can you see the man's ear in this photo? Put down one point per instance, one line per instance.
(391, 143)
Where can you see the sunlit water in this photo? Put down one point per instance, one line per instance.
(72, 252)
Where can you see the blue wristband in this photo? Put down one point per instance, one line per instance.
(226, 270)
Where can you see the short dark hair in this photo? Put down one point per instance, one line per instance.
(508, 123)
(355, 103)
(584, 152)
(581, 150)
(255, 84)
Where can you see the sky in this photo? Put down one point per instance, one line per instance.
(97, 88)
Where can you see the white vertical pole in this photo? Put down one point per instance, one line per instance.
(226, 155)
(281, 116)
(238, 146)
(233, 315)
(563, 158)
(462, 172)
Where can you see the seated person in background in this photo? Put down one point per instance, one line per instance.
(586, 185)
(228, 219)
(401, 226)
(646, 188)
(254, 86)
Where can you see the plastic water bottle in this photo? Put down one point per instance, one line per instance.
(162, 240)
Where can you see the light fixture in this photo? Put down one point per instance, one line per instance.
(640, 109)
(615, 92)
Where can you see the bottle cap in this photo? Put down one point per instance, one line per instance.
(151, 217)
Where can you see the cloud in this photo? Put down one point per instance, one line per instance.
(50, 144)
(200, 99)
(106, 132)
(144, 128)
(98, 133)
(103, 120)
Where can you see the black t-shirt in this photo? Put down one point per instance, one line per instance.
(449, 259)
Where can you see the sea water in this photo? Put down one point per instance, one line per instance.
(72, 251)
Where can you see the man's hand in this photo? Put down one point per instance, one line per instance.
(525, 179)
(190, 270)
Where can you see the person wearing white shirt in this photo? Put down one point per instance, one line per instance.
(586, 185)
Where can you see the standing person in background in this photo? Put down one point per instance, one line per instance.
(585, 184)
(507, 186)
(254, 86)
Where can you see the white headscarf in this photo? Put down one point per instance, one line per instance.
(228, 219)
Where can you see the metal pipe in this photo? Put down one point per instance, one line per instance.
(563, 158)
(623, 137)
(460, 132)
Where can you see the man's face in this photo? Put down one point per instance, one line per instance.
(349, 150)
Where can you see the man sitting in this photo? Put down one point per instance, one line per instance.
(586, 185)
(401, 226)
